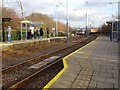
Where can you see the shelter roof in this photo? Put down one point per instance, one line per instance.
(32, 22)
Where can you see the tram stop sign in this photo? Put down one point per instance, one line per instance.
(3, 31)
(6, 19)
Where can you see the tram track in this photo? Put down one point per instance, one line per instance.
(35, 59)
(36, 52)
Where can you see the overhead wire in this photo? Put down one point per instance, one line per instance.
(72, 11)
(92, 3)
(105, 3)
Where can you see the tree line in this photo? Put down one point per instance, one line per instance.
(39, 17)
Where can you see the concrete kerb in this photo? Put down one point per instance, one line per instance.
(24, 43)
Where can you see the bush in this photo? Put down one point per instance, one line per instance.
(61, 34)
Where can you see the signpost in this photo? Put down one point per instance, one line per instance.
(3, 30)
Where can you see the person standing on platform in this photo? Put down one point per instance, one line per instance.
(29, 34)
(32, 32)
(48, 38)
(9, 30)
(37, 34)
(41, 33)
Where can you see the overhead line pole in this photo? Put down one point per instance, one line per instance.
(67, 27)
(112, 20)
(23, 17)
(86, 19)
(21, 7)
(56, 22)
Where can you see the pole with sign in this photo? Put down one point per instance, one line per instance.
(3, 29)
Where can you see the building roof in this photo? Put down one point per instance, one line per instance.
(25, 21)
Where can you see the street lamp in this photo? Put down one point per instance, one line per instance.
(67, 28)
(86, 19)
(112, 20)
(56, 21)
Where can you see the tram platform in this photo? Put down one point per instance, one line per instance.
(15, 43)
(92, 66)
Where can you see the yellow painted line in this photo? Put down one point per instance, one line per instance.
(65, 67)
(6, 44)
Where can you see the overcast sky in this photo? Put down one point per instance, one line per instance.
(98, 10)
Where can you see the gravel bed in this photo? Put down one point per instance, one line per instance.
(16, 76)
(18, 58)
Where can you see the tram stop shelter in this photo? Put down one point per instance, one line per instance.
(115, 30)
(29, 24)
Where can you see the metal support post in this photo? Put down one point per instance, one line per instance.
(26, 30)
(21, 32)
(3, 32)
(67, 29)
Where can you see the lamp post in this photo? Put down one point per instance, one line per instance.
(67, 28)
(21, 32)
(56, 21)
(86, 19)
(112, 20)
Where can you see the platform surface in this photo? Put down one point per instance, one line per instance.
(27, 41)
(93, 66)
(23, 43)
